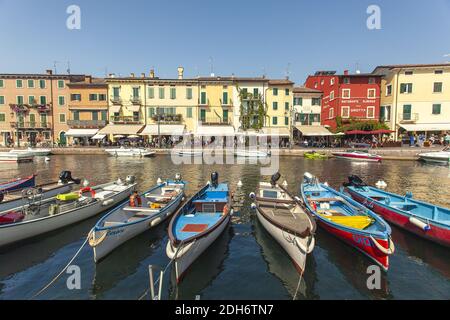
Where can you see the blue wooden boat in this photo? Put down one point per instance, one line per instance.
(197, 224)
(18, 184)
(348, 220)
(424, 219)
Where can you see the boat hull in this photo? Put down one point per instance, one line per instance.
(436, 233)
(18, 184)
(189, 252)
(13, 233)
(356, 157)
(251, 154)
(297, 256)
(434, 159)
(116, 236)
(140, 153)
(16, 157)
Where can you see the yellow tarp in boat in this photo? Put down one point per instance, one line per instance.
(356, 222)
(68, 196)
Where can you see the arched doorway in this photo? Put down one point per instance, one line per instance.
(62, 138)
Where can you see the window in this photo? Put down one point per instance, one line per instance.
(2, 100)
(61, 100)
(315, 101)
(75, 97)
(298, 101)
(389, 90)
(331, 113)
(102, 97)
(189, 93)
(407, 112)
(286, 106)
(104, 114)
(371, 93)
(275, 91)
(2, 83)
(42, 84)
(346, 80)
(286, 121)
(2, 117)
(136, 93)
(225, 116)
(189, 112)
(161, 92)
(315, 84)
(225, 97)
(274, 120)
(43, 100)
(436, 108)
(385, 113)
(332, 81)
(151, 112)
(173, 93)
(437, 87)
(408, 73)
(438, 71)
(151, 93)
(95, 115)
(116, 92)
(76, 115)
(32, 119)
(19, 83)
(371, 80)
(406, 88)
(62, 118)
(345, 112)
(19, 99)
(275, 105)
(30, 83)
(255, 92)
(93, 97)
(43, 119)
(203, 98)
(60, 84)
(346, 93)
(370, 112)
(286, 92)
(203, 115)
(332, 95)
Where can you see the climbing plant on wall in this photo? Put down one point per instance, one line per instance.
(253, 110)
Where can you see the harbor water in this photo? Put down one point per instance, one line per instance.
(245, 262)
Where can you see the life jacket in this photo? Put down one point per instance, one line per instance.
(135, 200)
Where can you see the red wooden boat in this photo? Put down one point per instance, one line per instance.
(18, 184)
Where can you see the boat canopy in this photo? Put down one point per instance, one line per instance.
(164, 129)
(125, 129)
(314, 131)
(215, 131)
(426, 127)
(80, 133)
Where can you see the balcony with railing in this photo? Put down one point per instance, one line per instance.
(215, 121)
(31, 125)
(167, 118)
(117, 100)
(126, 120)
(136, 100)
(226, 103)
(408, 117)
(86, 123)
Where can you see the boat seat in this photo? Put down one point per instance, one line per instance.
(407, 206)
(141, 209)
(115, 188)
(112, 223)
(356, 222)
(325, 199)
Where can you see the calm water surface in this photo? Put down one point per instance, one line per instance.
(245, 262)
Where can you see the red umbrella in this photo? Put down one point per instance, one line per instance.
(357, 132)
(381, 131)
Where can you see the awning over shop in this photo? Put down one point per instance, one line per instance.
(134, 108)
(125, 129)
(98, 136)
(114, 109)
(215, 131)
(281, 132)
(164, 130)
(314, 131)
(426, 127)
(78, 133)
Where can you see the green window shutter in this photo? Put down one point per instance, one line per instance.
(19, 83)
(43, 100)
(62, 118)
(151, 111)
(42, 84)
(2, 117)
(203, 114)
(94, 115)
(20, 100)
(43, 119)
(203, 98)
(1, 83)
(286, 121)
(173, 93)
(151, 93)
(275, 105)
(32, 118)
(275, 91)
(436, 108)
(30, 83)
(161, 93)
(225, 115)
(60, 84)
(104, 114)
(225, 98)
(286, 106)
(437, 87)
(76, 115)
(2, 100)
(189, 93)
(402, 88)
(61, 101)
(31, 100)
(286, 91)
(274, 120)
(255, 92)
(189, 112)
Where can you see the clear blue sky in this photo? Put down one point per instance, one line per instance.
(246, 37)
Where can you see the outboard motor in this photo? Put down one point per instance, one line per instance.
(214, 179)
(355, 181)
(130, 179)
(274, 179)
(308, 177)
(66, 177)
(178, 177)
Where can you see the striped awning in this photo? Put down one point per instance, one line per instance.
(125, 129)
(163, 129)
(426, 127)
(314, 131)
(114, 109)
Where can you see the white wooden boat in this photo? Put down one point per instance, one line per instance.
(189, 152)
(358, 155)
(131, 219)
(38, 152)
(442, 157)
(197, 224)
(131, 152)
(41, 216)
(17, 198)
(252, 153)
(285, 218)
(12, 156)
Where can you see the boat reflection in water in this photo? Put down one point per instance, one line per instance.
(203, 271)
(281, 266)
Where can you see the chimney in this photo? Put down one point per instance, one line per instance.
(132, 75)
(143, 75)
(49, 72)
(112, 75)
(88, 79)
(180, 73)
(152, 73)
(346, 72)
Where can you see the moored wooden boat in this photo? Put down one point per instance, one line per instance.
(348, 220)
(130, 152)
(421, 218)
(42, 216)
(285, 218)
(132, 218)
(197, 224)
(16, 198)
(358, 155)
(251, 153)
(17, 184)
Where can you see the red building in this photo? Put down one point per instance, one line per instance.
(355, 96)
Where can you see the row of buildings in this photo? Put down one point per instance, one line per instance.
(56, 108)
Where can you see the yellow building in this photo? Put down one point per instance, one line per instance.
(415, 98)
(279, 99)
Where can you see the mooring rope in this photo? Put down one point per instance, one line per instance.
(64, 269)
(298, 285)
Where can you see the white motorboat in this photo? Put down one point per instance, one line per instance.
(132, 218)
(199, 222)
(285, 218)
(251, 153)
(12, 156)
(16, 198)
(131, 152)
(41, 216)
(442, 157)
(358, 155)
(189, 152)
(38, 152)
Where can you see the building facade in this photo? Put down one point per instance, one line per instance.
(415, 98)
(347, 96)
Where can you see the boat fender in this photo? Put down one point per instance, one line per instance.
(232, 212)
(253, 206)
(420, 224)
(107, 202)
(252, 195)
(308, 249)
(385, 251)
(225, 210)
(155, 222)
(93, 241)
(87, 189)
